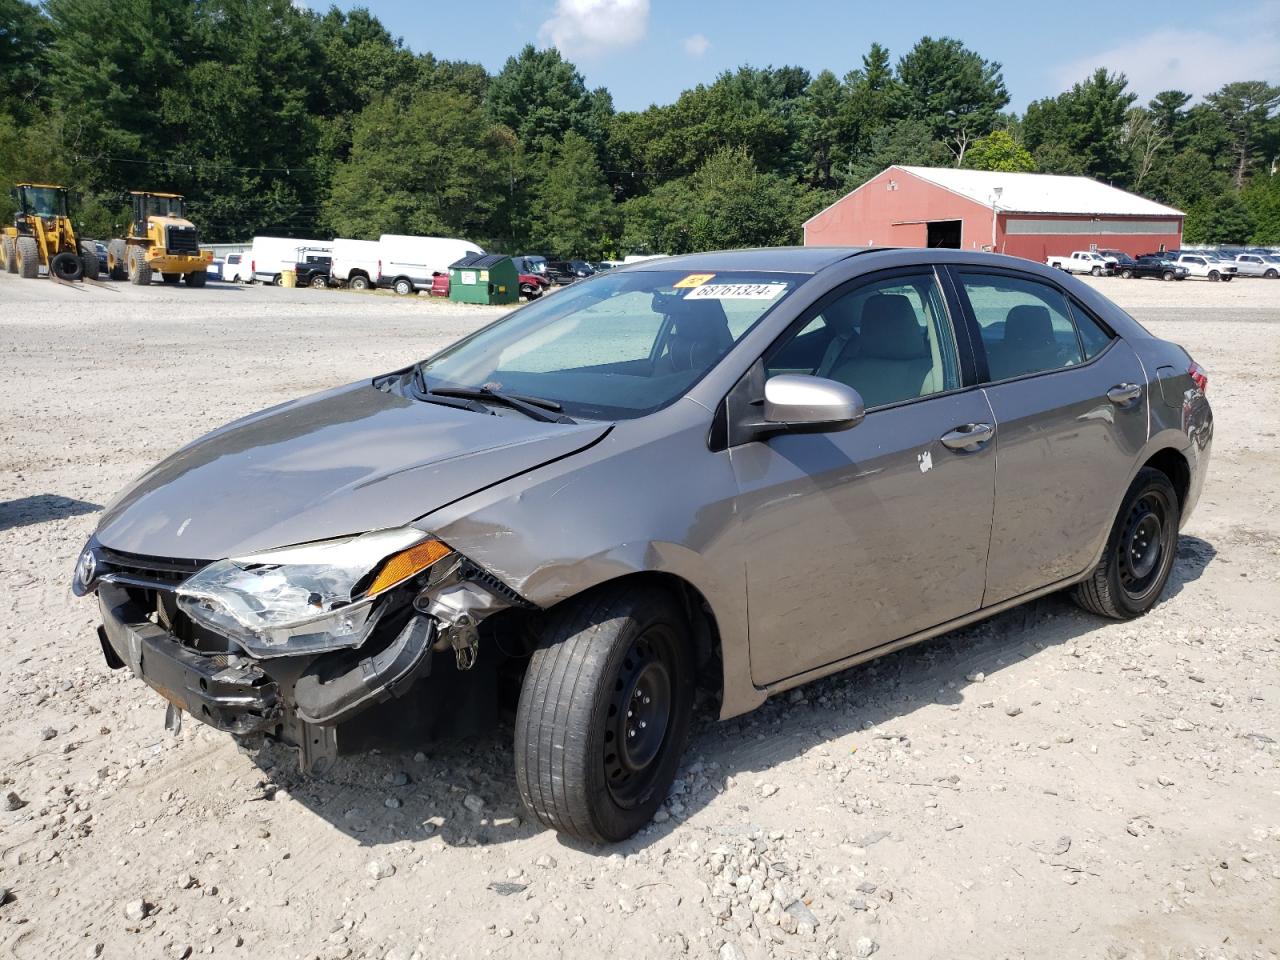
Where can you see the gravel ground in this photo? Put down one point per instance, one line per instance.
(1042, 785)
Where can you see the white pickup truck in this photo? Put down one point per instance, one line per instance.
(1083, 261)
(1206, 266)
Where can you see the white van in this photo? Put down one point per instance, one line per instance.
(355, 263)
(271, 256)
(408, 263)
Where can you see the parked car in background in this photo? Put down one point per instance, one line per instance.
(313, 268)
(235, 268)
(355, 263)
(1155, 266)
(408, 264)
(1083, 261)
(563, 272)
(1206, 267)
(530, 263)
(599, 266)
(862, 449)
(532, 285)
(214, 270)
(102, 255)
(271, 256)
(1256, 265)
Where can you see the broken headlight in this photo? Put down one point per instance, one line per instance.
(308, 598)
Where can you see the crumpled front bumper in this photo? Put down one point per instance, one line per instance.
(226, 691)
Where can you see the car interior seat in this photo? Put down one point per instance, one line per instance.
(891, 359)
(1028, 345)
(699, 336)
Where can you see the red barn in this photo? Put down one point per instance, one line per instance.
(1032, 215)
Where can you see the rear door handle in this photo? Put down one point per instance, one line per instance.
(1123, 393)
(968, 437)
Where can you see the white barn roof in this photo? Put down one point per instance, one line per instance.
(1041, 192)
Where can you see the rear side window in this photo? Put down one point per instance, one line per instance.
(1093, 336)
(1025, 325)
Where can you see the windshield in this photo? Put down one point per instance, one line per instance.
(44, 201)
(163, 207)
(618, 346)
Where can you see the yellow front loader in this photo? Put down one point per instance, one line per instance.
(42, 236)
(161, 240)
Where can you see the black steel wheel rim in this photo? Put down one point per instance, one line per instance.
(1144, 544)
(639, 717)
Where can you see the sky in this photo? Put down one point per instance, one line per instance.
(648, 51)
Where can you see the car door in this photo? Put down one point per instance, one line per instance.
(856, 538)
(1070, 407)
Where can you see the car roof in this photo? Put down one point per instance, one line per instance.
(759, 259)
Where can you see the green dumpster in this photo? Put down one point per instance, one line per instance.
(484, 278)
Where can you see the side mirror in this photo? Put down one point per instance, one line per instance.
(799, 403)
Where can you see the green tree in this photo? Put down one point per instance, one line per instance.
(1261, 199)
(573, 211)
(726, 203)
(999, 151)
(1245, 108)
(24, 39)
(952, 90)
(434, 164)
(539, 95)
(1082, 131)
(1222, 219)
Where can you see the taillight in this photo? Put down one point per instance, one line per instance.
(379, 269)
(1199, 377)
(253, 266)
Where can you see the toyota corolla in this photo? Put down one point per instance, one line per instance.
(744, 470)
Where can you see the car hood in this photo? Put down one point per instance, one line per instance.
(346, 461)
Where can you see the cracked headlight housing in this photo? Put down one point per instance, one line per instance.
(308, 598)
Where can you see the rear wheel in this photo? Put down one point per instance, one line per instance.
(28, 257)
(8, 254)
(1228, 277)
(117, 260)
(403, 287)
(319, 282)
(89, 259)
(66, 266)
(197, 278)
(171, 277)
(359, 283)
(1140, 551)
(139, 269)
(1271, 274)
(604, 713)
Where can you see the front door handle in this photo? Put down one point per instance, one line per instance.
(968, 437)
(1123, 393)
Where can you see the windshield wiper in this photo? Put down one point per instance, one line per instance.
(533, 407)
(458, 403)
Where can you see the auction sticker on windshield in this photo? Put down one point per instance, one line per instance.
(694, 280)
(736, 291)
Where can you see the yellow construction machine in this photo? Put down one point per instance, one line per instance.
(161, 240)
(42, 236)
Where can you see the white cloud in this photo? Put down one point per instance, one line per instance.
(696, 45)
(590, 27)
(1197, 61)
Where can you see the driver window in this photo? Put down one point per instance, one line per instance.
(889, 340)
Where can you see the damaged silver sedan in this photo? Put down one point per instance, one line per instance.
(739, 470)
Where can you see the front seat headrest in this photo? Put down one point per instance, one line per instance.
(890, 330)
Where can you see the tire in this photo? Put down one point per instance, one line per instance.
(28, 257)
(1096, 271)
(117, 260)
(171, 277)
(319, 282)
(403, 287)
(1228, 277)
(139, 269)
(1126, 273)
(1129, 579)
(1215, 276)
(612, 647)
(89, 259)
(1271, 274)
(66, 266)
(8, 254)
(359, 283)
(277, 280)
(197, 278)
(1167, 276)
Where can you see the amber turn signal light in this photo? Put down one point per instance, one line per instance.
(408, 563)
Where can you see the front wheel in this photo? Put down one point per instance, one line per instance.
(1228, 277)
(1126, 273)
(1271, 274)
(604, 712)
(359, 283)
(197, 278)
(1214, 275)
(1096, 271)
(1167, 276)
(1140, 551)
